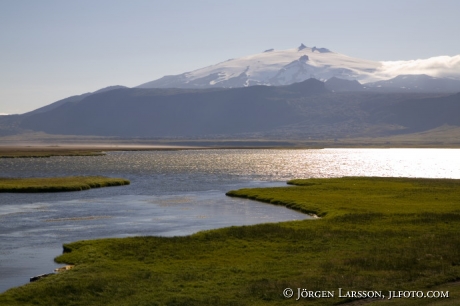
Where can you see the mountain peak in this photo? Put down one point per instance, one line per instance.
(320, 50)
(304, 58)
(302, 46)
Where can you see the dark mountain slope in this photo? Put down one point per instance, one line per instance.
(341, 85)
(181, 113)
(72, 99)
(301, 110)
(9, 125)
(424, 114)
(347, 114)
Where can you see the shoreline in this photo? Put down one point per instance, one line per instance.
(42, 150)
(445, 137)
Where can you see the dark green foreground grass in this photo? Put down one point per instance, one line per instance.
(58, 184)
(374, 234)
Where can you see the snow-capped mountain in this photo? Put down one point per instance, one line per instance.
(273, 67)
(283, 67)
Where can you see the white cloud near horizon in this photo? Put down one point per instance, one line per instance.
(439, 66)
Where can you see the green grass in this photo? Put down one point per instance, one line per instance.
(373, 234)
(58, 184)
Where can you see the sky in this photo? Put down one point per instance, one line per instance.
(53, 49)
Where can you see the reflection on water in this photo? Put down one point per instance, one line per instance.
(173, 193)
(266, 165)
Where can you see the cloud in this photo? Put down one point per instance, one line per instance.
(439, 66)
(3, 114)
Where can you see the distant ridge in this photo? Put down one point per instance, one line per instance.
(71, 99)
(304, 110)
(416, 83)
(420, 83)
(341, 85)
(141, 112)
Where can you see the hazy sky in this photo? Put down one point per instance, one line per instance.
(52, 49)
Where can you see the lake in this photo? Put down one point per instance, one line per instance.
(174, 193)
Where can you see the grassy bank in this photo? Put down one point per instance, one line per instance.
(58, 184)
(375, 234)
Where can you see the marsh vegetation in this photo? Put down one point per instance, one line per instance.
(58, 184)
